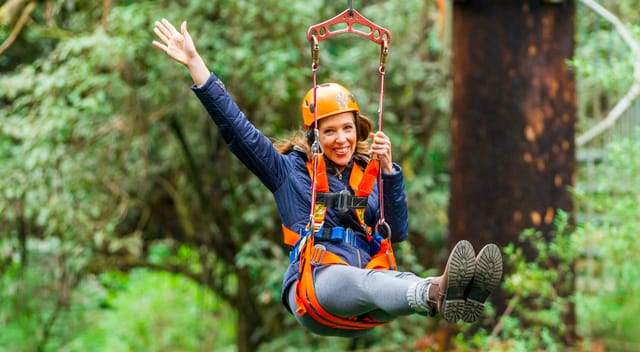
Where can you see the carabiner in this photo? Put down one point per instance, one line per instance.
(384, 52)
(386, 226)
(315, 51)
(316, 148)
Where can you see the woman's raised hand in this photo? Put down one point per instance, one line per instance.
(178, 45)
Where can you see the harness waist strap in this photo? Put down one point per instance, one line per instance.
(333, 234)
(341, 235)
(341, 201)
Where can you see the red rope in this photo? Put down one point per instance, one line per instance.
(380, 109)
(314, 146)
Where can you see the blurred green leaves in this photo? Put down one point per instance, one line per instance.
(108, 162)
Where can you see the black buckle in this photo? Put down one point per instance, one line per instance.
(341, 201)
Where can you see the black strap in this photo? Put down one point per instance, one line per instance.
(341, 201)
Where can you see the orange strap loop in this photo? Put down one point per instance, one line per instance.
(322, 181)
(368, 178)
(306, 300)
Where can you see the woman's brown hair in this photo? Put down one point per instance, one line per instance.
(299, 138)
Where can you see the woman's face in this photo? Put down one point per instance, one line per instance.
(338, 137)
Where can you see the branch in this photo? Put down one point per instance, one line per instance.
(612, 116)
(507, 312)
(176, 127)
(633, 92)
(106, 9)
(622, 29)
(68, 281)
(9, 10)
(18, 28)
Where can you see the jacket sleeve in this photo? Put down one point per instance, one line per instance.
(395, 204)
(244, 140)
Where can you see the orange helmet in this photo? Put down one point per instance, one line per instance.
(332, 99)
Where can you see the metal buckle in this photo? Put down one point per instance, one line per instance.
(386, 227)
(318, 254)
(350, 237)
(342, 201)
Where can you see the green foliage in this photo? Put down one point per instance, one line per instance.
(602, 61)
(540, 291)
(600, 250)
(108, 162)
(147, 311)
(610, 266)
(38, 305)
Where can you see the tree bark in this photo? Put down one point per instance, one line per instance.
(513, 120)
(249, 319)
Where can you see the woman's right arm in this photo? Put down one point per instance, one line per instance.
(243, 139)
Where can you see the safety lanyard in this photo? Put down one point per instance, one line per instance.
(322, 31)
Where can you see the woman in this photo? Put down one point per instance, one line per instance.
(355, 290)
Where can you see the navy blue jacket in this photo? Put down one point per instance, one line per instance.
(287, 177)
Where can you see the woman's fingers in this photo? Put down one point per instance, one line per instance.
(381, 149)
(189, 45)
(183, 28)
(159, 45)
(161, 29)
(380, 141)
(160, 34)
(169, 27)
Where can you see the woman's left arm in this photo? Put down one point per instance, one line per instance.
(395, 200)
(396, 213)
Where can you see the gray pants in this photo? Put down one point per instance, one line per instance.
(350, 291)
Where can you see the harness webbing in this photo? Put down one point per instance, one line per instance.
(361, 181)
(306, 299)
(313, 255)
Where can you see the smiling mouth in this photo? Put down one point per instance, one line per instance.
(342, 151)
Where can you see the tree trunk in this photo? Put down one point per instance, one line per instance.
(513, 120)
(249, 320)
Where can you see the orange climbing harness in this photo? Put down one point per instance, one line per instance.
(312, 255)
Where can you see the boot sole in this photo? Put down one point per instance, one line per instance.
(460, 270)
(486, 279)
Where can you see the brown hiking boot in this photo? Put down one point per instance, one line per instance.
(486, 278)
(446, 292)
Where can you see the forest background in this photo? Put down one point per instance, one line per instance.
(126, 225)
